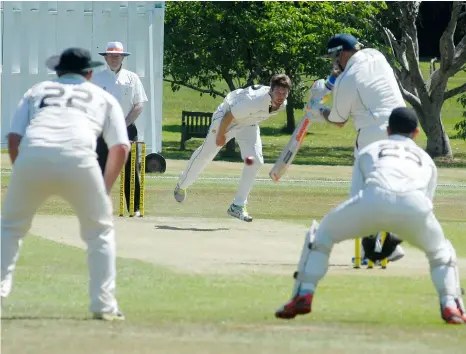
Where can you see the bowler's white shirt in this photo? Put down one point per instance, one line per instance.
(367, 90)
(397, 165)
(68, 114)
(125, 86)
(250, 105)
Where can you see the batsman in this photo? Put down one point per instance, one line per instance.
(366, 90)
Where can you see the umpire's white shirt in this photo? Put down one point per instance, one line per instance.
(125, 86)
(68, 115)
(396, 165)
(249, 106)
(367, 90)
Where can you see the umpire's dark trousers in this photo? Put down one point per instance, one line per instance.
(102, 154)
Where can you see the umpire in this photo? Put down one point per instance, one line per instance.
(127, 88)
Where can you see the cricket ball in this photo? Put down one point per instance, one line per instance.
(249, 160)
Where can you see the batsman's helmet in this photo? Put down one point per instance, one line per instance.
(341, 42)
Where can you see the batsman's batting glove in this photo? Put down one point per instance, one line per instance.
(330, 83)
(319, 90)
(314, 110)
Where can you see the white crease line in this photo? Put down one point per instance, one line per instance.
(267, 180)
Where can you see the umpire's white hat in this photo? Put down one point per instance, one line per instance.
(115, 48)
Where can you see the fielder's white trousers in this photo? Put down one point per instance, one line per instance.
(249, 141)
(409, 215)
(40, 173)
(366, 136)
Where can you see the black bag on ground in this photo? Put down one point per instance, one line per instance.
(368, 244)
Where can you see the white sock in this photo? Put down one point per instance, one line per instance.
(307, 288)
(448, 301)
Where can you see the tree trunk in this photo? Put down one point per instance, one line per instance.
(438, 143)
(291, 104)
(290, 123)
(229, 80)
(229, 150)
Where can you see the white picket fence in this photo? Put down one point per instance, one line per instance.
(31, 31)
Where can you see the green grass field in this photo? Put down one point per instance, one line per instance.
(171, 311)
(174, 312)
(324, 145)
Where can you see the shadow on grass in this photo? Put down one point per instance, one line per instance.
(307, 154)
(174, 228)
(265, 131)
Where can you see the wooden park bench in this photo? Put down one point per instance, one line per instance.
(196, 125)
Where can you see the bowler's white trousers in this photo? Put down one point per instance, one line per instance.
(249, 141)
(409, 215)
(40, 173)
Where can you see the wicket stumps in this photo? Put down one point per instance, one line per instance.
(132, 186)
(358, 258)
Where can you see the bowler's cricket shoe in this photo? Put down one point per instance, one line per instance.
(299, 305)
(453, 315)
(109, 316)
(239, 212)
(180, 194)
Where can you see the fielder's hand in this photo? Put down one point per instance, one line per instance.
(220, 140)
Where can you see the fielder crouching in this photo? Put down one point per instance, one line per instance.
(393, 187)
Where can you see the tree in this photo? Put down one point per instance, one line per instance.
(295, 44)
(427, 95)
(242, 43)
(206, 42)
(461, 126)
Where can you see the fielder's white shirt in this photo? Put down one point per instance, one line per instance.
(397, 165)
(68, 114)
(125, 86)
(250, 105)
(367, 90)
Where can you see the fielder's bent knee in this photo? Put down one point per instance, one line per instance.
(323, 241)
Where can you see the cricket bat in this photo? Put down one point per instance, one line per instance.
(291, 149)
(289, 152)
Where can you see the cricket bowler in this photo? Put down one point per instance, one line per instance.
(238, 117)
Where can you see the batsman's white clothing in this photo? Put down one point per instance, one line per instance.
(368, 91)
(59, 122)
(393, 186)
(249, 106)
